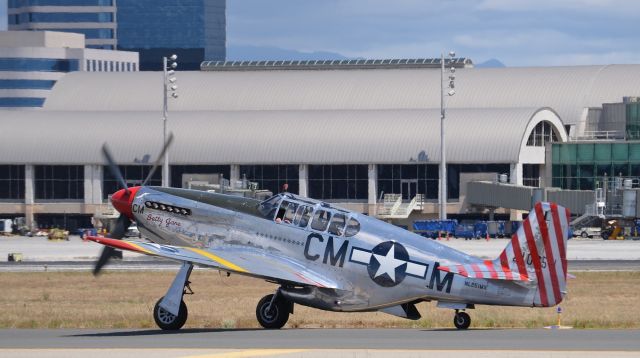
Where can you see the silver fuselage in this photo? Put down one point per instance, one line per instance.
(217, 221)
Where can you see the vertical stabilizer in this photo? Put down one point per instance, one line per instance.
(539, 251)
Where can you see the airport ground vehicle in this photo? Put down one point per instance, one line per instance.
(587, 232)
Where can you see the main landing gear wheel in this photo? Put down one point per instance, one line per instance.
(462, 320)
(274, 317)
(167, 321)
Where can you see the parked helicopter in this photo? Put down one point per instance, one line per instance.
(329, 258)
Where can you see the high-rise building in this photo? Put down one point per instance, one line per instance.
(195, 30)
(95, 19)
(31, 62)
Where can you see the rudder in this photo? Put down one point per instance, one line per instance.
(538, 251)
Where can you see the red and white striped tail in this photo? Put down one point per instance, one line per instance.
(536, 253)
(539, 251)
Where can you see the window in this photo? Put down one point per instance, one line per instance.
(272, 177)
(338, 181)
(337, 225)
(38, 64)
(132, 174)
(320, 220)
(181, 174)
(65, 182)
(353, 227)
(27, 84)
(268, 207)
(11, 182)
(70, 17)
(303, 215)
(286, 212)
(541, 134)
(21, 3)
(397, 178)
(88, 33)
(21, 102)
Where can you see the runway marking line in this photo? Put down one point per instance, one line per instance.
(250, 353)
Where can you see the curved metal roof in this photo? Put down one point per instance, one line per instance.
(566, 89)
(269, 137)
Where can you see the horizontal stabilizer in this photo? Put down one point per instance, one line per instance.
(487, 269)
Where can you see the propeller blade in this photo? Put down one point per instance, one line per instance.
(115, 171)
(121, 227)
(118, 233)
(107, 253)
(159, 160)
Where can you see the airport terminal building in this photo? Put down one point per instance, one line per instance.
(359, 135)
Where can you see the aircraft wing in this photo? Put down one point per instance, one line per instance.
(242, 260)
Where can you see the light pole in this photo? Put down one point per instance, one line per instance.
(443, 161)
(169, 84)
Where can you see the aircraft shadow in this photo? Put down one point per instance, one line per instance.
(154, 332)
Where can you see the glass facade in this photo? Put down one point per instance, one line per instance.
(408, 180)
(632, 112)
(64, 17)
(38, 64)
(133, 175)
(542, 133)
(21, 102)
(412, 179)
(63, 221)
(89, 33)
(178, 170)
(27, 84)
(90, 22)
(59, 182)
(11, 182)
(23, 3)
(454, 171)
(272, 177)
(582, 165)
(143, 26)
(338, 182)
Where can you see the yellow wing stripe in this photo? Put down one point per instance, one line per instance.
(141, 249)
(217, 259)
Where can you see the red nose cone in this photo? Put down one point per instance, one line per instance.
(122, 200)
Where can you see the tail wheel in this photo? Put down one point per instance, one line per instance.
(462, 320)
(274, 317)
(168, 321)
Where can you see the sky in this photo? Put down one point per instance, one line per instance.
(516, 32)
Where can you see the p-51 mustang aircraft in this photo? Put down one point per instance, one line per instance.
(333, 259)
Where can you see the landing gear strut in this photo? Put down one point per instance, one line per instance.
(461, 320)
(170, 312)
(273, 311)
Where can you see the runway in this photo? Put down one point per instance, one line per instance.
(390, 338)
